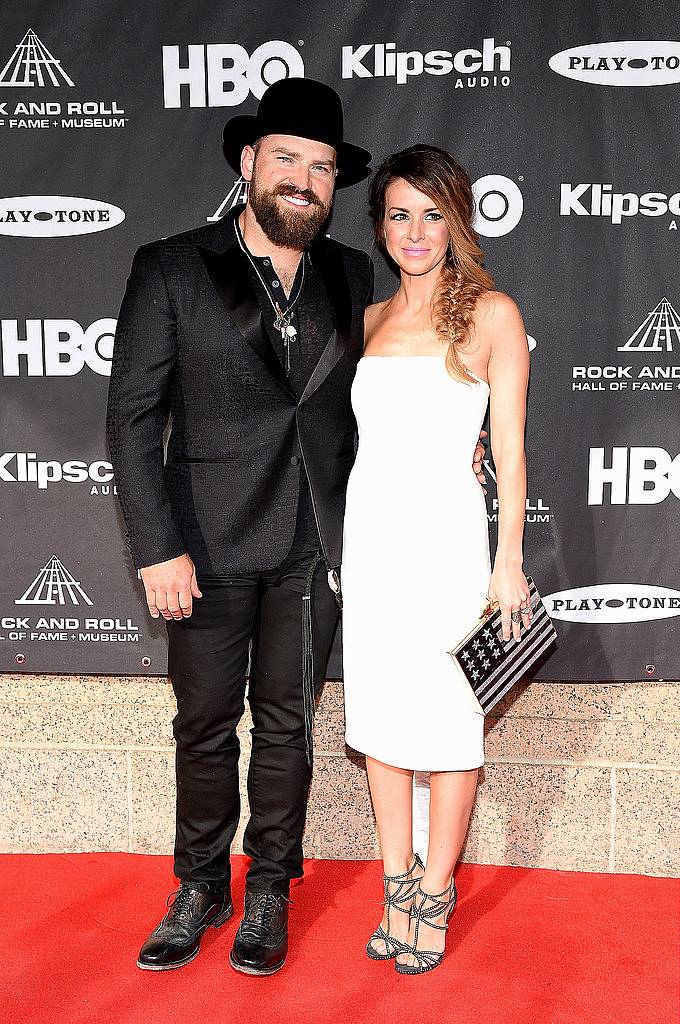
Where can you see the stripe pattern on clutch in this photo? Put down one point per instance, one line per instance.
(491, 664)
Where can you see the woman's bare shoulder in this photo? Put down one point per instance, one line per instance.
(499, 325)
(495, 308)
(496, 304)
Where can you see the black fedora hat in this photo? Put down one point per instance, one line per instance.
(301, 107)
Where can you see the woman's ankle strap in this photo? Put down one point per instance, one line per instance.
(417, 862)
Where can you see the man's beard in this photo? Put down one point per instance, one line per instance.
(290, 228)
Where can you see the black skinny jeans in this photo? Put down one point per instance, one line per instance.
(207, 663)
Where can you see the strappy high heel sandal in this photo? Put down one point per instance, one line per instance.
(422, 911)
(406, 888)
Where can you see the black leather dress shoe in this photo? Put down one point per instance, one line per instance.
(261, 941)
(177, 939)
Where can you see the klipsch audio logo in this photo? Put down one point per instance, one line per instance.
(32, 66)
(633, 62)
(474, 68)
(644, 475)
(228, 71)
(27, 468)
(56, 216)
(599, 200)
(55, 348)
(55, 585)
(613, 602)
(649, 346)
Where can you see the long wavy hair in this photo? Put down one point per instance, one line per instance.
(462, 277)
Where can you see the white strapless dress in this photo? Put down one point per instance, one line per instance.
(416, 567)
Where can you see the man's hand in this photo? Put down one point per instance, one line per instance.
(477, 459)
(170, 587)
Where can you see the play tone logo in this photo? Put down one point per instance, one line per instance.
(613, 602)
(632, 63)
(384, 60)
(32, 66)
(230, 73)
(56, 216)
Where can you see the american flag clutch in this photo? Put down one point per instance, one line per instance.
(491, 664)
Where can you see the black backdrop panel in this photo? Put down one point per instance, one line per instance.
(111, 117)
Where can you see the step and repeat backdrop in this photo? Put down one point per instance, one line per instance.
(565, 116)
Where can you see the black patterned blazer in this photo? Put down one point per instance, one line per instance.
(191, 344)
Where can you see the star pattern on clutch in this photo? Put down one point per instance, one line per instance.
(482, 653)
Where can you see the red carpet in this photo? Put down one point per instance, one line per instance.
(524, 945)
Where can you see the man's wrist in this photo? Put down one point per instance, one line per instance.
(139, 571)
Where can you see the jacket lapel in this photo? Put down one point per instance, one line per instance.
(330, 264)
(227, 269)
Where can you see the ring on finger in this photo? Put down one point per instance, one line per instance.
(516, 616)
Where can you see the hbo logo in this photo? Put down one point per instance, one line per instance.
(231, 74)
(499, 205)
(635, 476)
(56, 348)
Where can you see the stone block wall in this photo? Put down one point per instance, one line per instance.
(577, 776)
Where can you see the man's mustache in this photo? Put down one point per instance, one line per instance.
(307, 194)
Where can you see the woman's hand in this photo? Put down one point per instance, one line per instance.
(508, 586)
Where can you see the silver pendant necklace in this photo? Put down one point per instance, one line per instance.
(282, 323)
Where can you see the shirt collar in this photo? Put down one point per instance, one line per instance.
(239, 234)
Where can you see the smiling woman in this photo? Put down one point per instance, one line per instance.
(416, 570)
(422, 206)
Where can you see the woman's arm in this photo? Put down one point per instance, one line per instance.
(508, 371)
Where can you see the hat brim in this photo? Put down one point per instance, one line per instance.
(242, 130)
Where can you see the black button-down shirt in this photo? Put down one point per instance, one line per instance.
(312, 317)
